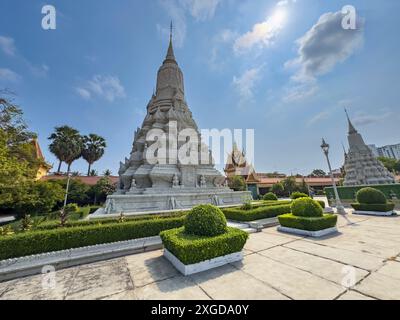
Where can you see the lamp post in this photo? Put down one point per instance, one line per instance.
(339, 205)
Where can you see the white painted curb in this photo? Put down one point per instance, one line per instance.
(204, 265)
(374, 213)
(314, 234)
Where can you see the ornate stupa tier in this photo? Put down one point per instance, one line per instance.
(361, 165)
(169, 183)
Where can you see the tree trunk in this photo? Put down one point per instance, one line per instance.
(88, 171)
(59, 167)
(69, 168)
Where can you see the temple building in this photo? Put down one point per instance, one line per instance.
(44, 167)
(361, 165)
(237, 165)
(171, 171)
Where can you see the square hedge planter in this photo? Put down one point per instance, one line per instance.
(307, 226)
(373, 209)
(191, 254)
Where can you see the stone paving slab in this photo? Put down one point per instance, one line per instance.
(353, 295)
(290, 281)
(380, 286)
(324, 268)
(228, 283)
(361, 260)
(391, 269)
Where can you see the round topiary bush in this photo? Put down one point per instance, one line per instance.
(371, 196)
(306, 207)
(270, 196)
(205, 220)
(297, 195)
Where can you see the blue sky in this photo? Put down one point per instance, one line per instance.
(279, 67)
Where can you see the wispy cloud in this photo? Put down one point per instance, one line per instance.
(322, 47)
(318, 117)
(105, 87)
(178, 10)
(8, 75)
(363, 119)
(245, 84)
(7, 45)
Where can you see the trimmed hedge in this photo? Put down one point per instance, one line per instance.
(373, 207)
(322, 203)
(205, 220)
(306, 207)
(103, 221)
(190, 249)
(35, 242)
(308, 223)
(297, 195)
(371, 196)
(257, 213)
(270, 196)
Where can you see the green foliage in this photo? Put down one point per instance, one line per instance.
(237, 183)
(72, 208)
(306, 207)
(190, 249)
(26, 223)
(35, 197)
(392, 165)
(318, 173)
(379, 207)
(296, 195)
(247, 205)
(35, 242)
(66, 144)
(49, 225)
(205, 220)
(321, 203)
(371, 196)
(102, 189)
(278, 189)
(78, 192)
(6, 231)
(289, 185)
(308, 223)
(270, 196)
(93, 149)
(348, 193)
(257, 213)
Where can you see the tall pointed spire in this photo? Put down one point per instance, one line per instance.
(352, 130)
(170, 53)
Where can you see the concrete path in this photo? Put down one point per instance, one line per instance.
(361, 262)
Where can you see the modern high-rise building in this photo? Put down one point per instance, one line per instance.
(389, 151)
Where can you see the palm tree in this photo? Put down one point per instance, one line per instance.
(66, 145)
(93, 149)
(107, 173)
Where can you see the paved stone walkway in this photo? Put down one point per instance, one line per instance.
(365, 255)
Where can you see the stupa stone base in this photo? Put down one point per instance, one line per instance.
(166, 200)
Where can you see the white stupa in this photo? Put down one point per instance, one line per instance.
(361, 165)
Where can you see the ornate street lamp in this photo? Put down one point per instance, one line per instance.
(339, 205)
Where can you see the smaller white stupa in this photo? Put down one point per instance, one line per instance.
(361, 166)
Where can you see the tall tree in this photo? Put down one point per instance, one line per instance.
(66, 145)
(318, 173)
(93, 149)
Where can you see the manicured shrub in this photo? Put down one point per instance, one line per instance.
(257, 213)
(270, 196)
(190, 249)
(72, 208)
(308, 223)
(373, 207)
(322, 203)
(247, 206)
(205, 220)
(103, 221)
(35, 242)
(306, 207)
(371, 196)
(297, 195)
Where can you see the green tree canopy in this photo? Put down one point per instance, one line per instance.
(237, 183)
(93, 149)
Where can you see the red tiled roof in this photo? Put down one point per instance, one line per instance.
(84, 179)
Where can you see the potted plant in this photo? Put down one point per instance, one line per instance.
(307, 218)
(371, 201)
(204, 242)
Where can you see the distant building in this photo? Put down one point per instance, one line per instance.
(389, 151)
(90, 181)
(44, 167)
